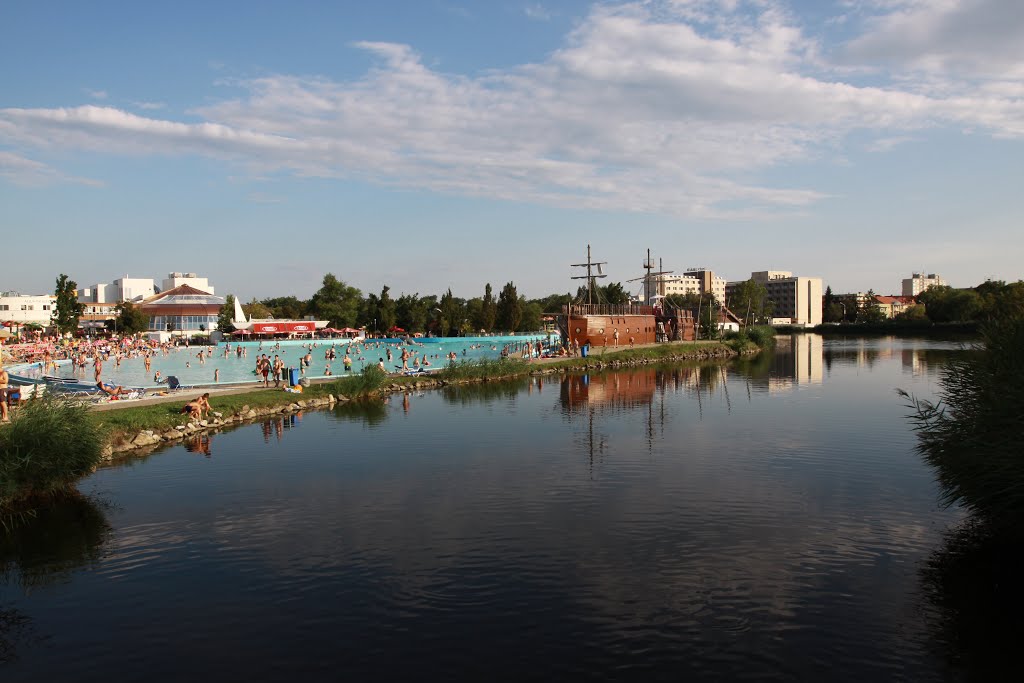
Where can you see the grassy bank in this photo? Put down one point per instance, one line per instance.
(46, 448)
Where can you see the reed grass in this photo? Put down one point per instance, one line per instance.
(48, 446)
(973, 435)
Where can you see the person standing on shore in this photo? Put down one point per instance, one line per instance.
(4, 389)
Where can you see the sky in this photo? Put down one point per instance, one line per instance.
(436, 144)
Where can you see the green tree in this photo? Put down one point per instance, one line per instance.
(509, 309)
(750, 302)
(226, 315)
(67, 310)
(614, 293)
(130, 319)
(945, 304)
(386, 307)
(254, 309)
(411, 312)
(336, 302)
(531, 316)
(831, 310)
(452, 314)
(285, 307)
(488, 310)
(868, 312)
(473, 308)
(1000, 300)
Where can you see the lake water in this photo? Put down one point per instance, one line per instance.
(757, 520)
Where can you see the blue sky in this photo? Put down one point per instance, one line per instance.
(427, 145)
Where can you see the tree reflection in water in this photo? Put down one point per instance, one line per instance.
(974, 582)
(44, 549)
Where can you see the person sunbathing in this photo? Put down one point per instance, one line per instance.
(113, 390)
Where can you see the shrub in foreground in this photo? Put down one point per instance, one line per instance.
(972, 436)
(49, 445)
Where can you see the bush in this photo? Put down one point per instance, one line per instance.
(762, 335)
(972, 436)
(368, 381)
(484, 369)
(48, 446)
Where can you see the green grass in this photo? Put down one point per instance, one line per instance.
(486, 369)
(49, 445)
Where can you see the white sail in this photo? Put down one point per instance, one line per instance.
(239, 313)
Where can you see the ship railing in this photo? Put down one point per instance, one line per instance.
(608, 309)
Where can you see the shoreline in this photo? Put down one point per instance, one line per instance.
(141, 425)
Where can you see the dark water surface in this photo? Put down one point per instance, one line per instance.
(761, 520)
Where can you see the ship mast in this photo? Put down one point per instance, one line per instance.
(589, 265)
(651, 280)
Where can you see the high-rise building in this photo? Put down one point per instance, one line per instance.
(794, 298)
(693, 281)
(918, 282)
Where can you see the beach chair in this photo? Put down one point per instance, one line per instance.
(174, 385)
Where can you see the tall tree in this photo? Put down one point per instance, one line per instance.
(488, 310)
(945, 304)
(336, 302)
(868, 311)
(531, 316)
(386, 307)
(452, 314)
(226, 315)
(473, 308)
(130, 319)
(285, 307)
(411, 312)
(750, 302)
(510, 309)
(67, 310)
(614, 293)
(831, 311)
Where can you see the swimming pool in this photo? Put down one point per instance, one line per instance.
(185, 364)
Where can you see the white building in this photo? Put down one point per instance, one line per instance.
(20, 309)
(191, 279)
(693, 281)
(796, 299)
(123, 289)
(918, 282)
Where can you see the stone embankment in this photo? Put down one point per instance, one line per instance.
(148, 439)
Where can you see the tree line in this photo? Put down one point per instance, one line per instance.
(343, 305)
(989, 301)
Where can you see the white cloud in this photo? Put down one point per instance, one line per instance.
(150, 106)
(30, 173)
(97, 94)
(954, 37)
(537, 12)
(671, 107)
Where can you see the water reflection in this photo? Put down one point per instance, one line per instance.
(275, 427)
(368, 411)
(733, 521)
(47, 547)
(974, 582)
(42, 550)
